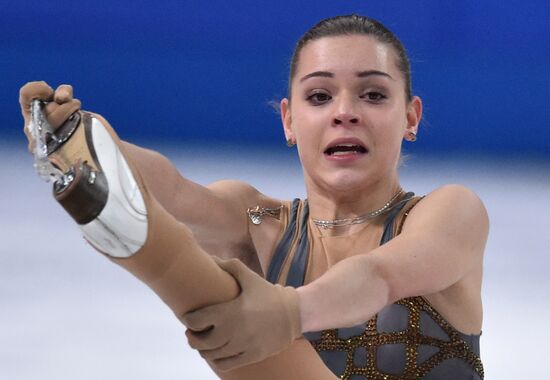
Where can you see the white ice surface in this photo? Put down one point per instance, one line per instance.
(68, 313)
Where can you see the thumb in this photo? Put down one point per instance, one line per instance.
(240, 272)
(57, 114)
(233, 266)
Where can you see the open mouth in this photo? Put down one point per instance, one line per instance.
(344, 149)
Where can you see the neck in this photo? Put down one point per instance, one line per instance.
(346, 204)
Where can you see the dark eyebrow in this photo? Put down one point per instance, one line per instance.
(328, 74)
(324, 74)
(363, 74)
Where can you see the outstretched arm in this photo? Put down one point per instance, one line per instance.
(441, 244)
(225, 222)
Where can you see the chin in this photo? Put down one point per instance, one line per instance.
(346, 182)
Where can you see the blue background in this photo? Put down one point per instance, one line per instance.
(205, 71)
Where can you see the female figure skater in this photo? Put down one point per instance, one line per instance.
(385, 285)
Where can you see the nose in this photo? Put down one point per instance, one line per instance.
(345, 114)
(345, 119)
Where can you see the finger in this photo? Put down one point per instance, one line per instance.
(234, 362)
(57, 114)
(226, 351)
(244, 275)
(198, 320)
(63, 94)
(32, 91)
(213, 315)
(208, 340)
(35, 90)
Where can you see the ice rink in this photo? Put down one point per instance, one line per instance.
(68, 313)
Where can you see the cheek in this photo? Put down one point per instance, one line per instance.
(388, 128)
(396, 119)
(388, 135)
(309, 139)
(306, 127)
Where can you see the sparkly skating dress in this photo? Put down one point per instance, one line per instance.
(406, 340)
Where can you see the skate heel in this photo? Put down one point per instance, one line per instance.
(82, 192)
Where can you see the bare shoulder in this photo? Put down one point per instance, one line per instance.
(453, 212)
(241, 193)
(264, 236)
(456, 195)
(234, 189)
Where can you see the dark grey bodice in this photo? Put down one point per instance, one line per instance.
(406, 340)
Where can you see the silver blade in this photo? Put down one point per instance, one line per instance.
(39, 129)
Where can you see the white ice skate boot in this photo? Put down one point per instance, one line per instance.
(92, 180)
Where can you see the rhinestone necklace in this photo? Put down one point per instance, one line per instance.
(327, 224)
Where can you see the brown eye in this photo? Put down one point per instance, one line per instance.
(374, 96)
(318, 98)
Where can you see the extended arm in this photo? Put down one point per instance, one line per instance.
(221, 217)
(216, 214)
(441, 244)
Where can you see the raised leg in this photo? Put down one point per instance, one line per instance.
(102, 190)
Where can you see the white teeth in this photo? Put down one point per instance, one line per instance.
(341, 153)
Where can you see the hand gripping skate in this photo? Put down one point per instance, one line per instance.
(92, 180)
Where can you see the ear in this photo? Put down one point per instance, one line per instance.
(414, 115)
(287, 120)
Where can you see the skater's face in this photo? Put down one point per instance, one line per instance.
(349, 112)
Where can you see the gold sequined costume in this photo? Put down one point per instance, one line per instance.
(406, 340)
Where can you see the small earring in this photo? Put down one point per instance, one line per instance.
(412, 136)
(290, 143)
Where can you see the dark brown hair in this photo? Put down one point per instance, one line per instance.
(353, 25)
